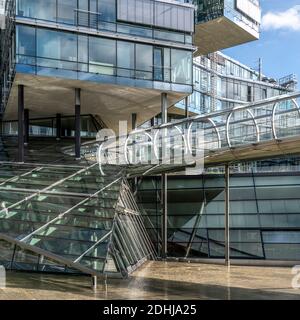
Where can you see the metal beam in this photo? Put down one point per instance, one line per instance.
(20, 123)
(77, 123)
(133, 120)
(227, 213)
(26, 126)
(164, 185)
(57, 258)
(58, 126)
(195, 229)
(186, 100)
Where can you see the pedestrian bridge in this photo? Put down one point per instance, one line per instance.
(260, 130)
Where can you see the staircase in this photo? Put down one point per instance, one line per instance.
(70, 220)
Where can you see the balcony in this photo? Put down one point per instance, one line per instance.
(223, 24)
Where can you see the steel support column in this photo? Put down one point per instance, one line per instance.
(186, 100)
(164, 204)
(133, 127)
(58, 126)
(26, 126)
(77, 124)
(164, 186)
(20, 123)
(133, 120)
(227, 213)
(94, 282)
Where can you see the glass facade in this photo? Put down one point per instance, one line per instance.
(264, 215)
(84, 40)
(223, 83)
(47, 127)
(41, 50)
(146, 18)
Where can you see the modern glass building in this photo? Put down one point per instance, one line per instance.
(221, 83)
(72, 67)
(120, 54)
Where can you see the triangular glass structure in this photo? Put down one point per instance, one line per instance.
(70, 219)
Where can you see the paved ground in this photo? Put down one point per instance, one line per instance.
(160, 280)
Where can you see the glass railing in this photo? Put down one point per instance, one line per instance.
(78, 70)
(93, 21)
(46, 127)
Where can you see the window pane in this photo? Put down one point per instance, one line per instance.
(107, 10)
(40, 9)
(158, 64)
(66, 11)
(144, 61)
(125, 59)
(102, 55)
(58, 46)
(181, 66)
(26, 41)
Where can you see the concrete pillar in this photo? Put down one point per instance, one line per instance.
(77, 123)
(164, 186)
(20, 123)
(26, 126)
(58, 126)
(227, 213)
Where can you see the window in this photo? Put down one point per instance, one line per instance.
(264, 93)
(66, 10)
(40, 9)
(160, 14)
(144, 61)
(26, 41)
(181, 61)
(125, 59)
(107, 15)
(139, 11)
(158, 64)
(83, 57)
(250, 98)
(57, 49)
(102, 55)
(107, 10)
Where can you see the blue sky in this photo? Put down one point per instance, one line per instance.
(279, 45)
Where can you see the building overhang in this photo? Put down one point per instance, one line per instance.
(46, 96)
(222, 33)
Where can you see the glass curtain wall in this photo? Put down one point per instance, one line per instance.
(264, 215)
(230, 83)
(107, 15)
(68, 11)
(44, 48)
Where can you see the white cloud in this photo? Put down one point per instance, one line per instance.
(289, 19)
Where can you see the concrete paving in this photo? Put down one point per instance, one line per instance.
(160, 280)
